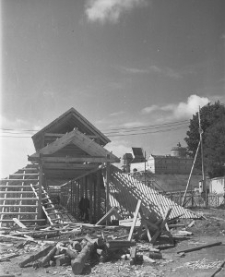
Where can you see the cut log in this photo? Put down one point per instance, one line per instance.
(79, 262)
(76, 246)
(45, 234)
(33, 258)
(148, 260)
(133, 253)
(98, 242)
(8, 257)
(71, 253)
(113, 245)
(49, 256)
(63, 260)
(199, 247)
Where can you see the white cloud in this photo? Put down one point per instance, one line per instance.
(133, 124)
(117, 113)
(150, 109)
(166, 71)
(119, 148)
(110, 10)
(186, 110)
(182, 110)
(133, 70)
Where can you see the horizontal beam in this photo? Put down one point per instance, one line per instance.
(22, 180)
(26, 213)
(20, 206)
(16, 192)
(22, 174)
(60, 135)
(17, 198)
(68, 166)
(14, 186)
(75, 160)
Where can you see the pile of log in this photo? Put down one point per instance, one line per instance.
(76, 253)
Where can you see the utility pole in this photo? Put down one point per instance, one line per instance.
(189, 178)
(202, 159)
(145, 170)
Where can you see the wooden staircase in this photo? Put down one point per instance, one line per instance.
(48, 207)
(19, 199)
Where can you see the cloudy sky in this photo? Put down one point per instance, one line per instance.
(137, 69)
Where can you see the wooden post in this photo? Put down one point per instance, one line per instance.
(134, 220)
(98, 194)
(202, 158)
(90, 183)
(192, 168)
(107, 185)
(40, 214)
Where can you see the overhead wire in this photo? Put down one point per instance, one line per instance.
(126, 131)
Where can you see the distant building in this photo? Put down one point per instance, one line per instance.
(129, 158)
(217, 185)
(175, 163)
(159, 164)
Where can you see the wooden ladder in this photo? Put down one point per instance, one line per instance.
(48, 207)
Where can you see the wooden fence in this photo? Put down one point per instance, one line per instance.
(196, 199)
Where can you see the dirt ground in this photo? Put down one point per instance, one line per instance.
(200, 263)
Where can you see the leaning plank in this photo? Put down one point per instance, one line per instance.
(164, 222)
(113, 210)
(79, 262)
(33, 258)
(15, 237)
(16, 220)
(134, 220)
(219, 269)
(199, 247)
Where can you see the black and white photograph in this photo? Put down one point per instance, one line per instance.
(112, 138)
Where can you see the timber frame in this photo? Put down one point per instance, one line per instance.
(70, 151)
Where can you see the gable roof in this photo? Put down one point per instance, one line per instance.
(82, 141)
(66, 123)
(84, 155)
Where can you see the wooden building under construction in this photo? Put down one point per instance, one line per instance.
(70, 152)
(70, 155)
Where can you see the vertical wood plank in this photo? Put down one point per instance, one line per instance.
(40, 190)
(107, 185)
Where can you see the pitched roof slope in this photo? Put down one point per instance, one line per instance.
(65, 123)
(125, 191)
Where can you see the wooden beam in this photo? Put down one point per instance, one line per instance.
(68, 166)
(134, 220)
(40, 192)
(108, 214)
(75, 160)
(91, 147)
(107, 186)
(60, 135)
(199, 247)
(87, 173)
(56, 145)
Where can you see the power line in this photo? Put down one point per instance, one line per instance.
(107, 131)
(118, 134)
(145, 133)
